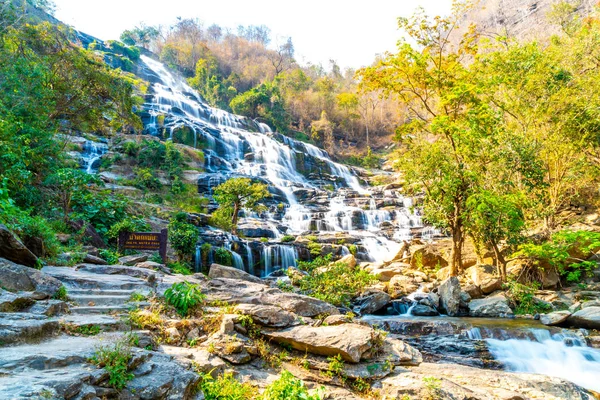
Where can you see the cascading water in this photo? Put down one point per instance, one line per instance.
(279, 257)
(238, 146)
(564, 355)
(92, 152)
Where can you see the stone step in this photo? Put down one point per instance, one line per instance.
(100, 292)
(75, 279)
(26, 327)
(99, 300)
(105, 309)
(106, 323)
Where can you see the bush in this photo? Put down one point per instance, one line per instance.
(223, 257)
(127, 225)
(61, 294)
(226, 387)
(288, 239)
(109, 256)
(145, 179)
(287, 387)
(101, 209)
(180, 268)
(185, 297)
(115, 360)
(524, 299)
(183, 236)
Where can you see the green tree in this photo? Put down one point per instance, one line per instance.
(240, 193)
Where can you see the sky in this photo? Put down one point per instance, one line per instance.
(350, 32)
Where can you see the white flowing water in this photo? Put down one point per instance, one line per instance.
(92, 152)
(563, 355)
(235, 145)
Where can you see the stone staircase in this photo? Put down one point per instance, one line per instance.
(37, 360)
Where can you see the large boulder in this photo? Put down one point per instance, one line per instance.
(490, 307)
(15, 277)
(270, 316)
(402, 285)
(586, 318)
(555, 318)
(221, 271)
(449, 292)
(371, 301)
(386, 273)
(485, 277)
(349, 260)
(350, 341)
(427, 256)
(12, 249)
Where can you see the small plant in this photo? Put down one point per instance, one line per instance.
(88, 330)
(114, 359)
(136, 296)
(353, 249)
(61, 294)
(336, 367)
(225, 387)
(264, 240)
(180, 268)
(223, 256)
(109, 256)
(285, 286)
(185, 297)
(524, 298)
(247, 322)
(288, 387)
(155, 257)
(361, 386)
(288, 239)
(433, 388)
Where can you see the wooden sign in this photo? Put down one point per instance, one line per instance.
(145, 241)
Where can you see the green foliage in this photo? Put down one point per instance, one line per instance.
(222, 217)
(115, 360)
(180, 268)
(88, 330)
(223, 256)
(109, 256)
(182, 236)
(353, 249)
(335, 283)
(433, 387)
(524, 298)
(320, 261)
(287, 387)
(61, 294)
(185, 297)
(225, 387)
(101, 209)
(371, 160)
(567, 251)
(145, 179)
(239, 193)
(288, 239)
(127, 225)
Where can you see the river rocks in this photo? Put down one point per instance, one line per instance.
(17, 277)
(371, 301)
(423, 311)
(221, 271)
(474, 291)
(490, 307)
(555, 318)
(586, 318)
(449, 292)
(484, 277)
(401, 285)
(12, 249)
(350, 341)
(270, 316)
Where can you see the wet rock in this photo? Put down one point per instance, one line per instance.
(350, 341)
(134, 259)
(586, 318)
(555, 318)
(13, 250)
(490, 307)
(17, 277)
(449, 292)
(221, 271)
(270, 316)
(401, 285)
(423, 311)
(371, 301)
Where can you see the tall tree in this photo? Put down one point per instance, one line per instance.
(237, 194)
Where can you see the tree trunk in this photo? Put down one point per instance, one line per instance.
(456, 256)
(500, 261)
(234, 218)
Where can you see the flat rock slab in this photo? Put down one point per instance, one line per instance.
(202, 360)
(73, 278)
(104, 322)
(350, 341)
(61, 383)
(270, 316)
(142, 273)
(555, 318)
(586, 318)
(222, 271)
(22, 327)
(491, 306)
(134, 259)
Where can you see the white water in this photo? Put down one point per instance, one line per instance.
(227, 140)
(92, 151)
(561, 355)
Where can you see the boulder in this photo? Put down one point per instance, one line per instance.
(12, 249)
(586, 318)
(490, 307)
(13, 302)
(91, 259)
(350, 341)
(349, 260)
(443, 274)
(134, 259)
(397, 352)
(401, 285)
(593, 303)
(15, 277)
(385, 274)
(255, 228)
(270, 316)
(449, 292)
(221, 271)
(149, 265)
(485, 277)
(427, 256)
(423, 311)
(555, 318)
(371, 301)
(474, 291)
(336, 320)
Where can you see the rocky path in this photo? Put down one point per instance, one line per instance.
(46, 344)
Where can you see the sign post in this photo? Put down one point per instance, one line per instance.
(145, 241)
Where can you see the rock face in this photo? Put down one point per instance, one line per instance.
(15, 277)
(12, 249)
(401, 285)
(371, 302)
(221, 271)
(555, 318)
(586, 318)
(491, 307)
(350, 341)
(449, 292)
(427, 256)
(485, 277)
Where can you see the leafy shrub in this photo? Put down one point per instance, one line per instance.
(115, 360)
(221, 218)
(226, 387)
(287, 387)
(61, 294)
(182, 236)
(185, 297)
(109, 256)
(145, 179)
(288, 239)
(180, 268)
(101, 209)
(524, 298)
(223, 256)
(127, 225)
(353, 249)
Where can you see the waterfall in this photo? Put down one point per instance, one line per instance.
(92, 152)
(198, 259)
(279, 257)
(564, 355)
(238, 262)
